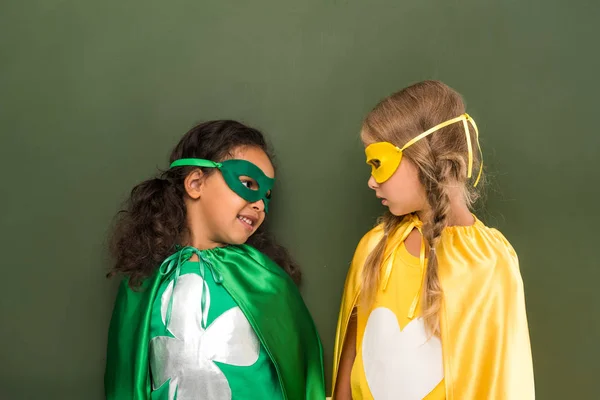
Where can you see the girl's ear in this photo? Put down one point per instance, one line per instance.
(194, 183)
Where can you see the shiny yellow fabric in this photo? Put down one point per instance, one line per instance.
(484, 332)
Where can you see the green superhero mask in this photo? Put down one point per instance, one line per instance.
(232, 171)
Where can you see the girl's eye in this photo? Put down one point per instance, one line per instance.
(249, 183)
(375, 163)
(268, 194)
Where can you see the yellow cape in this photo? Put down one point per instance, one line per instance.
(484, 332)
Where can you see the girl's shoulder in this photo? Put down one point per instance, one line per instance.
(480, 250)
(370, 239)
(262, 261)
(478, 238)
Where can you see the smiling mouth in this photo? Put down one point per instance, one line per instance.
(248, 222)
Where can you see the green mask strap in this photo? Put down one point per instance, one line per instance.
(195, 162)
(232, 171)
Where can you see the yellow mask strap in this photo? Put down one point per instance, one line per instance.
(465, 119)
(472, 121)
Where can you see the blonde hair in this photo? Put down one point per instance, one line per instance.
(441, 159)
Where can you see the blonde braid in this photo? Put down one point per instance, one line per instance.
(439, 204)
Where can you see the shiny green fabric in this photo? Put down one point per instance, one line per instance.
(265, 294)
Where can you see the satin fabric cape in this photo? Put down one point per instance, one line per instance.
(484, 331)
(267, 297)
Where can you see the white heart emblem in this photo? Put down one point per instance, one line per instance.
(400, 364)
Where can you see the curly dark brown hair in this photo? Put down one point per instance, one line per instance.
(153, 220)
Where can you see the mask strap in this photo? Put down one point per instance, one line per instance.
(465, 118)
(195, 162)
(472, 121)
(469, 147)
(430, 131)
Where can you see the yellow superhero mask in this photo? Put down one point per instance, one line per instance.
(384, 157)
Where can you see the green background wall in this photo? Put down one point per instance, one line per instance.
(94, 94)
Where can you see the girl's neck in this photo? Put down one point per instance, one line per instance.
(203, 244)
(198, 235)
(200, 240)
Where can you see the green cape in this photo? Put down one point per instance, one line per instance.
(265, 294)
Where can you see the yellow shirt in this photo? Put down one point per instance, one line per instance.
(483, 322)
(395, 357)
